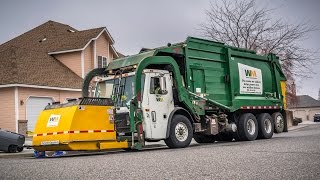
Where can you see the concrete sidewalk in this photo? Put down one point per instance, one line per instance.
(302, 125)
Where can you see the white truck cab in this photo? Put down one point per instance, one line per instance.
(157, 98)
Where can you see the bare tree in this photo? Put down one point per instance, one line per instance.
(242, 24)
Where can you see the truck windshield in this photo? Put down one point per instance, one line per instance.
(121, 93)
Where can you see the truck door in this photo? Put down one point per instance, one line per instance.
(198, 81)
(160, 103)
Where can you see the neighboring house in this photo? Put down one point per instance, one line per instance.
(47, 64)
(305, 108)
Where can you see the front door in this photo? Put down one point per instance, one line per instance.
(160, 103)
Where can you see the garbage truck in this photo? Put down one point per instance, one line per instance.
(199, 89)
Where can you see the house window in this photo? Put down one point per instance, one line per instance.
(102, 62)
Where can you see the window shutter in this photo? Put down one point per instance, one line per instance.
(104, 62)
(99, 61)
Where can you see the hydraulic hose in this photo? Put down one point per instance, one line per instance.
(86, 83)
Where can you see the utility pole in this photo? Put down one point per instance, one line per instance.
(319, 95)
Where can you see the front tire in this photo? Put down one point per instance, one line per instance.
(266, 126)
(247, 127)
(181, 132)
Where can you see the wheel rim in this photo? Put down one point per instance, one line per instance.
(251, 127)
(267, 126)
(279, 122)
(181, 131)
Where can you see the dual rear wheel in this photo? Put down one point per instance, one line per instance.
(262, 126)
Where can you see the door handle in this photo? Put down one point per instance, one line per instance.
(153, 116)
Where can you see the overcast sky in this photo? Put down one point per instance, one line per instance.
(147, 23)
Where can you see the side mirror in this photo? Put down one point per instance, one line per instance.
(163, 85)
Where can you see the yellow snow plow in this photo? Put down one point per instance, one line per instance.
(80, 124)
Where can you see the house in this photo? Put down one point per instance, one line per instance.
(44, 65)
(305, 107)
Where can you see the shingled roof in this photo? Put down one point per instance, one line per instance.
(305, 101)
(26, 60)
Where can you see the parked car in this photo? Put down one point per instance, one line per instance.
(316, 117)
(11, 142)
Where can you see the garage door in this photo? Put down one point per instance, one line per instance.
(301, 114)
(34, 106)
(312, 112)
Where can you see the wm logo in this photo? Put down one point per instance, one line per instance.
(251, 73)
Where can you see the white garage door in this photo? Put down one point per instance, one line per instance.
(301, 114)
(34, 106)
(312, 112)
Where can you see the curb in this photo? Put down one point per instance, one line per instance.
(293, 128)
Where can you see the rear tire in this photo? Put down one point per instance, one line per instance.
(278, 122)
(20, 149)
(247, 127)
(200, 138)
(12, 149)
(181, 132)
(266, 126)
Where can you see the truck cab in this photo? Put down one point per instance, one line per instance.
(157, 100)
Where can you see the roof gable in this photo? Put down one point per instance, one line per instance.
(25, 59)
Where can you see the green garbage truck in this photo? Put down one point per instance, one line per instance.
(198, 89)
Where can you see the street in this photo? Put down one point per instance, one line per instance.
(292, 155)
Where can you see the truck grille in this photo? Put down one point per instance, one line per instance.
(122, 122)
(96, 101)
(82, 101)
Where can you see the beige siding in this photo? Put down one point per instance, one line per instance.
(88, 58)
(57, 95)
(102, 46)
(7, 109)
(111, 55)
(300, 114)
(305, 113)
(312, 112)
(72, 60)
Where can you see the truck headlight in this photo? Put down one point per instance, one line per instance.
(110, 111)
(111, 118)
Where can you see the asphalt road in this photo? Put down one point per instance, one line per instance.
(293, 155)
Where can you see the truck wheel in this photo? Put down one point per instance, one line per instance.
(200, 138)
(12, 149)
(278, 122)
(181, 132)
(247, 127)
(265, 126)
